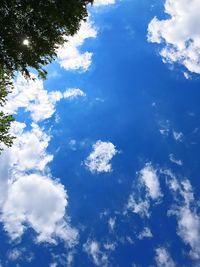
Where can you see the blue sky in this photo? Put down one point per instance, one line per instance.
(105, 167)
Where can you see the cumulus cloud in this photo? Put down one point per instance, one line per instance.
(100, 157)
(39, 202)
(34, 98)
(29, 196)
(69, 55)
(31, 95)
(28, 154)
(149, 178)
(180, 33)
(186, 212)
(33, 200)
(29, 150)
(163, 258)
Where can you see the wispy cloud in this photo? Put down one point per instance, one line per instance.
(92, 248)
(163, 258)
(149, 177)
(146, 233)
(186, 212)
(174, 160)
(148, 190)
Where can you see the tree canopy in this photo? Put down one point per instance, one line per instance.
(30, 33)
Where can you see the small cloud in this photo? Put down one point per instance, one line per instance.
(186, 211)
(139, 201)
(146, 233)
(174, 160)
(163, 258)
(72, 144)
(14, 254)
(99, 159)
(110, 246)
(149, 177)
(111, 223)
(73, 93)
(103, 2)
(178, 136)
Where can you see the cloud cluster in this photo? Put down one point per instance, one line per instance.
(180, 33)
(30, 197)
(100, 157)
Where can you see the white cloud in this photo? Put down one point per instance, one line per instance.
(174, 160)
(149, 177)
(29, 197)
(140, 207)
(178, 136)
(29, 149)
(32, 96)
(185, 210)
(163, 258)
(28, 153)
(69, 55)
(39, 202)
(100, 157)
(110, 246)
(180, 33)
(103, 2)
(146, 233)
(73, 93)
(14, 254)
(20, 253)
(139, 202)
(92, 248)
(111, 223)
